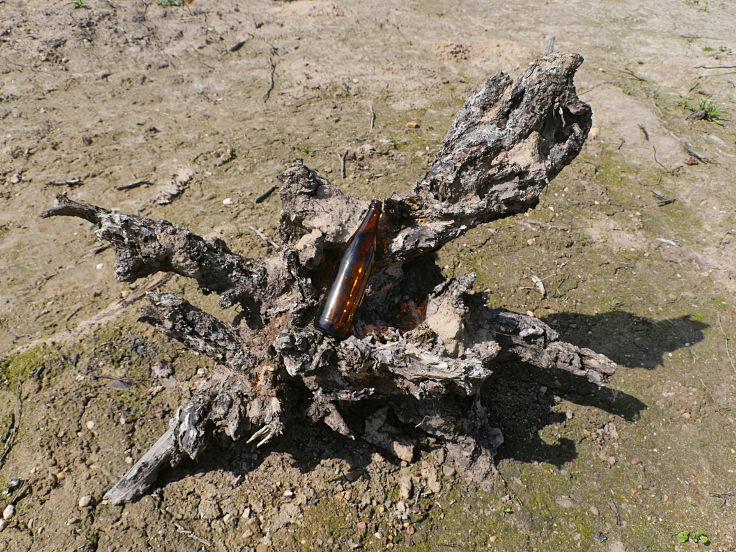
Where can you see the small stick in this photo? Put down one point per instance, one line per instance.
(264, 237)
(654, 153)
(662, 200)
(126, 382)
(654, 150)
(73, 182)
(75, 311)
(539, 285)
(530, 222)
(136, 184)
(100, 248)
(697, 82)
(724, 497)
(614, 507)
(343, 157)
(549, 47)
(688, 149)
(238, 45)
(191, 534)
(14, 423)
(728, 349)
(9, 438)
(264, 196)
(668, 242)
(632, 74)
(372, 123)
(715, 67)
(272, 80)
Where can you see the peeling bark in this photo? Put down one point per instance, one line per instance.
(402, 377)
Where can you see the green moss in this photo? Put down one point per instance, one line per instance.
(22, 365)
(626, 87)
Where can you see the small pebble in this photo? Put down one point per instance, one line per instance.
(594, 132)
(3, 524)
(412, 124)
(85, 501)
(405, 487)
(564, 501)
(100, 266)
(90, 424)
(8, 512)
(594, 511)
(228, 201)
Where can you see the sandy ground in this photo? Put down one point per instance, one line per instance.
(229, 93)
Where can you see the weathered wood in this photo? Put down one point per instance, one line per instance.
(425, 368)
(505, 145)
(144, 473)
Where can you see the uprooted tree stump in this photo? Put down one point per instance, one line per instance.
(422, 346)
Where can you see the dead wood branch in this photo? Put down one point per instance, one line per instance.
(505, 145)
(422, 346)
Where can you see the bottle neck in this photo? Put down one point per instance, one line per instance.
(374, 211)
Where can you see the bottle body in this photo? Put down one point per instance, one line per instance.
(346, 292)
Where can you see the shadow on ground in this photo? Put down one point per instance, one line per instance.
(630, 340)
(627, 339)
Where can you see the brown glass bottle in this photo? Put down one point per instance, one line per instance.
(346, 292)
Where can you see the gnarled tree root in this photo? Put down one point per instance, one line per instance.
(425, 371)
